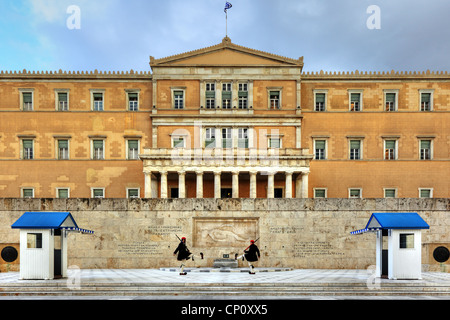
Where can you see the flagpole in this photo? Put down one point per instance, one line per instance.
(226, 24)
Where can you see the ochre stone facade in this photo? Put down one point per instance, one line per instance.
(259, 126)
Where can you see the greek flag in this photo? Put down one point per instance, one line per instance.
(227, 6)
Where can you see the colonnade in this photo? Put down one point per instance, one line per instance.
(301, 183)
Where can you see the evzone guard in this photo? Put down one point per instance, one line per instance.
(184, 254)
(251, 254)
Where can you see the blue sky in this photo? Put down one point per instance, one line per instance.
(121, 35)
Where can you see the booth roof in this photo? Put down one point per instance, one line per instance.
(394, 220)
(48, 220)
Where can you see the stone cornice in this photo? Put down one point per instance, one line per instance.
(76, 75)
(375, 76)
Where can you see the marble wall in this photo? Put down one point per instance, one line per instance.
(297, 233)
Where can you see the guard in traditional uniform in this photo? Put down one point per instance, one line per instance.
(183, 255)
(252, 255)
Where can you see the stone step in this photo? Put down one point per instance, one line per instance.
(223, 290)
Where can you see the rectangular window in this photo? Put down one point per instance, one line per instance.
(320, 193)
(275, 143)
(178, 96)
(425, 193)
(425, 101)
(98, 149)
(27, 98)
(425, 149)
(389, 150)
(210, 138)
(27, 193)
(28, 149)
(243, 96)
(63, 149)
(407, 241)
(243, 138)
(227, 140)
(133, 149)
(390, 193)
(274, 100)
(210, 96)
(391, 101)
(320, 146)
(62, 193)
(178, 142)
(34, 240)
(63, 101)
(98, 101)
(355, 101)
(355, 193)
(98, 193)
(226, 96)
(320, 101)
(133, 101)
(132, 193)
(355, 149)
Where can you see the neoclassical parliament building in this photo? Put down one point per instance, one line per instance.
(224, 121)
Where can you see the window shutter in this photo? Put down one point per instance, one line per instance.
(320, 144)
(425, 144)
(132, 144)
(426, 97)
(389, 193)
(390, 144)
(98, 144)
(63, 193)
(63, 144)
(390, 97)
(355, 144)
(425, 193)
(320, 98)
(62, 97)
(355, 97)
(226, 95)
(28, 144)
(27, 97)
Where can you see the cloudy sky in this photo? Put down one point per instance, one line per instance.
(332, 35)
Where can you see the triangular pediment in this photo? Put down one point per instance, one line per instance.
(226, 54)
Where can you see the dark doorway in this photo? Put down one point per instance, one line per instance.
(226, 193)
(58, 256)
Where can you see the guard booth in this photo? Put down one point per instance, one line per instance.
(400, 257)
(43, 244)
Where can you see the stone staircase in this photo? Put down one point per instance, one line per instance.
(220, 290)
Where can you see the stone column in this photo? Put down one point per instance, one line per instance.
(182, 184)
(163, 184)
(305, 179)
(199, 184)
(217, 184)
(235, 184)
(148, 185)
(253, 184)
(288, 189)
(270, 185)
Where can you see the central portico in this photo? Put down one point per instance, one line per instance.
(226, 122)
